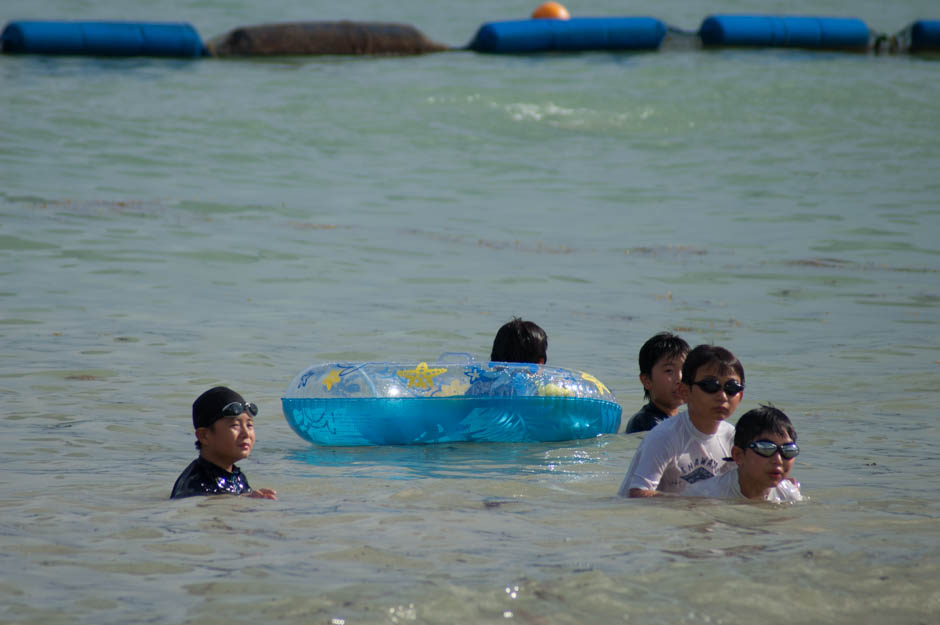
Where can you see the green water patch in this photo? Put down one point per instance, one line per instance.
(807, 319)
(844, 245)
(432, 280)
(19, 322)
(572, 279)
(394, 252)
(437, 334)
(699, 277)
(219, 208)
(874, 232)
(16, 244)
(798, 294)
(520, 280)
(347, 356)
(117, 272)
(304, 279)
(82, 375)
(912, 302)
(819, 262)
(674, 250)
(119, 256)
(712, 328)
(225, 257)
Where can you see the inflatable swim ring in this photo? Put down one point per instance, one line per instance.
(384, 403)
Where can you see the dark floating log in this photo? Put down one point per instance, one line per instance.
(295, 38)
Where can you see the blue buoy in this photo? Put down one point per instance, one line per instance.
(925, 35)
(575, 35)
(174, 39)
(790, 32)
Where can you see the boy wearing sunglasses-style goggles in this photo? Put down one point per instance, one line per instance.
(764, 451)
(693, 445)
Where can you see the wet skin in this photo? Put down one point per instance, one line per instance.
(663, 384)
(757, 474)
(707, 411)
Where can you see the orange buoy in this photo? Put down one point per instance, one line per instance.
(551, 11)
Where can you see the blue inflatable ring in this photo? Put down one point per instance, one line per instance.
(383, 403)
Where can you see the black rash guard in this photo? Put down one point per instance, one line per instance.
(646, 419)
(202, 477)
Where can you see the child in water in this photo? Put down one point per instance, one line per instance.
(693, 445)
(225, 432)
(764, 449)
(520, 341)
(517, 341)
(661, 359)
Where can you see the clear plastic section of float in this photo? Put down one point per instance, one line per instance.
(383, 403)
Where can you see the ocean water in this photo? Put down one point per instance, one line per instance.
(169, 225)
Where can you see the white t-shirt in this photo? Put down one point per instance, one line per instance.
(728, 486)
(675, 454)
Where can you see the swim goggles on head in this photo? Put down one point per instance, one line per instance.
(236, 408)
(712, 386)
(788, 451)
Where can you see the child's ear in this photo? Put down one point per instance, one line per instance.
(202, 434)
(685, 391)
(645, 381)
(737, 454)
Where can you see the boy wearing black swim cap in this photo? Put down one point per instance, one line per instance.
(225, 432)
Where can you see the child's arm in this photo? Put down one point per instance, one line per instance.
(647, 468)
(263, 493)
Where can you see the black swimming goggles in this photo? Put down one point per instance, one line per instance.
(788, 451)
(236, 408)
(712, 386)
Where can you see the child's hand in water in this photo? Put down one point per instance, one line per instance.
(263, 493)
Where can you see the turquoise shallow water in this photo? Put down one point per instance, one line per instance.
(166, 226)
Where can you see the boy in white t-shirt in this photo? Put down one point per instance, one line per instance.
(691, 446)
(764, 449)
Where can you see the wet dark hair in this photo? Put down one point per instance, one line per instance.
(520, 341)
(662, 345)
(704, 355)
(755, 422)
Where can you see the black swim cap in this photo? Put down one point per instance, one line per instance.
(207, 409)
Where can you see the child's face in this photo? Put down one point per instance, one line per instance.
(229, 439)
(663, 383)
(759, 472)
(711, 408)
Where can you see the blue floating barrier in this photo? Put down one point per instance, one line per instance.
(789, 32)
(925, 35)
(575, 35)
(174, 39)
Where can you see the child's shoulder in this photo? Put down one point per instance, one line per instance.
(668, 432)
